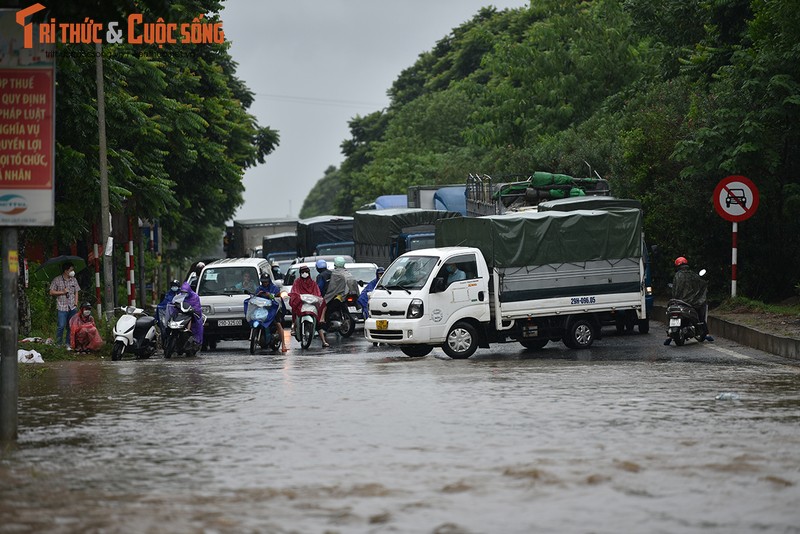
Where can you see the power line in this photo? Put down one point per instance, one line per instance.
(316, 101)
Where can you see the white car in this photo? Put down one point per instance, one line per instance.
(222, 297)
(363, 272)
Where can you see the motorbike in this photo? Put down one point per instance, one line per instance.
(135, 332)
(683, 321)
(341, 314)
(178, 336)
(260, 313)
(306, 319)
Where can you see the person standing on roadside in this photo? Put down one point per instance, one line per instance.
(65, 288)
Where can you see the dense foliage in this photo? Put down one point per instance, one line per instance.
(662, 98)
(178, 132)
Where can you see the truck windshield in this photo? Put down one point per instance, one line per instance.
(409, 272)
(420, 241)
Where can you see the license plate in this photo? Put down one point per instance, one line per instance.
(352, 309)
(675, 322)
(229, 322)
(382, 324)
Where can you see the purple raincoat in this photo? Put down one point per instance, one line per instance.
(194, 301)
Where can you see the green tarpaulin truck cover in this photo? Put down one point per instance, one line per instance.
(554, 237)
(381, 226)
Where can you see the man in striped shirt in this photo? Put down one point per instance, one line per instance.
(65, 288)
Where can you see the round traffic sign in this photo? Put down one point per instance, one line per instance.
(736, 198)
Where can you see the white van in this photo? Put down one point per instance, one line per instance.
(222, 293)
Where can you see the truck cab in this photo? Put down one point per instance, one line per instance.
(418, 304)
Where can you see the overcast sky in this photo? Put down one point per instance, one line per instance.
(315, 64)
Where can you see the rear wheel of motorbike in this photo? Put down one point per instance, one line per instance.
(254, 335)
(348, 325)
(678, 339)
(117, 351)
(306, 334)
(169, 346)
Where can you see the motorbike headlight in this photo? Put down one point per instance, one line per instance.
(648, 291)
(415, 309)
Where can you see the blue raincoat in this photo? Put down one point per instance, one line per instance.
(363, 298)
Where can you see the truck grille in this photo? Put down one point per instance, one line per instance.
(392, 313)
(387, 335)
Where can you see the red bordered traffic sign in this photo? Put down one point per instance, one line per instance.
(736, 198)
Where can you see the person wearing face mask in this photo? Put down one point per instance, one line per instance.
(65, 288)
(454, 274)
(161, 309)
(269, 290)
(305, 285)
(85, 337)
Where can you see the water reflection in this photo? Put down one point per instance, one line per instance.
(359, 439)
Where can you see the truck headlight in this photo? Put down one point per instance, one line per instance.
(415, 309)
(206, 310)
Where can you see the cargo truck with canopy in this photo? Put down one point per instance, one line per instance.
(382, 235)
(527, 277)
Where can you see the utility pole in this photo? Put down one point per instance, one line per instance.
(105, 215)
(9, 385)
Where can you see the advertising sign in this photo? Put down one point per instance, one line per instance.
(27, 133)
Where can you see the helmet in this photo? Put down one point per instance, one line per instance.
(86, 305)
(338, 262)
(379, 271)
(681, 261)
(264, 279)
(304, 268)
(175, 283)
(322, 264)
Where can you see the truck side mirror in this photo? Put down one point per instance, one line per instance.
(438, 285)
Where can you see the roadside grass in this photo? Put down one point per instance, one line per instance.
(746, 305)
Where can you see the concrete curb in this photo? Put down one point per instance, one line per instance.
(785, 347)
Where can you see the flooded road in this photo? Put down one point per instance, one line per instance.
(625, 437)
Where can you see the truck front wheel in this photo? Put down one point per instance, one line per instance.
(580, 334)
(461, 342)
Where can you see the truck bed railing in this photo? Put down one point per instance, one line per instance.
(485, 196)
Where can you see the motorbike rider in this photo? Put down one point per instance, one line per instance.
(304, 285)
(269, 290)
(363, 298)
(323, 276)
(341, 284)
(161, 309)
(193, 300)
(690, 287)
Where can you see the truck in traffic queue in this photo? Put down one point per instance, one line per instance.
(248, 235)
(325, 235)
(623, 320)
(486, 195)
(524, 277)
(382, 235)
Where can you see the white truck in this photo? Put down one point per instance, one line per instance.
(527, 277)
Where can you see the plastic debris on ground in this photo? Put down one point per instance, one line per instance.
(29, 356)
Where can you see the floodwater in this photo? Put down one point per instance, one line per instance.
(358, 439)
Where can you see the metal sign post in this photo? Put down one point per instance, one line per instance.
(735, 199)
